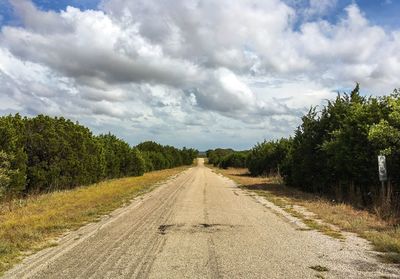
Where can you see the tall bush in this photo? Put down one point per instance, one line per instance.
(334, 150)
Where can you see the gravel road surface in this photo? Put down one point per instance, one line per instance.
(201, 225)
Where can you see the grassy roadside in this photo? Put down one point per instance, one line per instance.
(384, 235)
(35, 222)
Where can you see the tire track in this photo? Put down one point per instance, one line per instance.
(102, 242)
(212, 262)
(144, 225)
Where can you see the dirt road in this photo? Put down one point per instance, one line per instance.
(200, 225)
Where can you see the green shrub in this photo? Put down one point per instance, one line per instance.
(43, 154)
(334, 151)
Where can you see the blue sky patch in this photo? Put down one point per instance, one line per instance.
(7, 15)
(380, 12)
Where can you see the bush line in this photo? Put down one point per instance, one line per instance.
(334, 152)
(44, 154)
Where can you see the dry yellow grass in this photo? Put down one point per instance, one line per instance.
(383, 234)
(33, 223)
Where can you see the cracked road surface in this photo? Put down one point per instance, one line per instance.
(200, 225)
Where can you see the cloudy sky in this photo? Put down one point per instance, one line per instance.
(197, 73)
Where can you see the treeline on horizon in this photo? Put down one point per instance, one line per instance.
(43, 154)
(334, 152)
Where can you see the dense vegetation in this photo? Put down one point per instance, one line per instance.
(43, 154)
(225, 158)
(334, 151)
(266, 158)
(159, 157)
(215, 156)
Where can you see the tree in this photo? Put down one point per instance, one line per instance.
(5, 174)
(334, 150)
(44, 153)
(12, 139)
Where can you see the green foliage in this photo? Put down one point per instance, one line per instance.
(12, 138)
(157, 156)
(334, 151)
(225, 158)
(43, 154)
(61, 154)
(120, 159)
(215, 156)
(234, 160)
(5, 174)
(267, 158)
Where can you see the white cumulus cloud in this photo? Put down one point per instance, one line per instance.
(191, 72)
